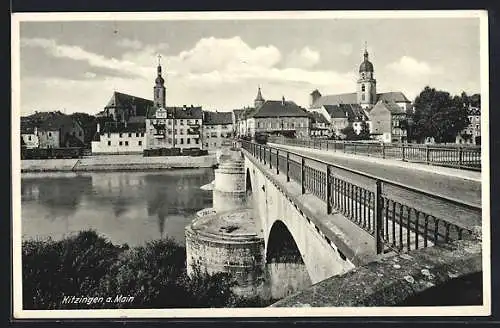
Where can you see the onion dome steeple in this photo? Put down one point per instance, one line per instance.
(159, 88)
(366, 65)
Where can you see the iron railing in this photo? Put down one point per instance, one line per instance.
(401, 218)
(463, 157)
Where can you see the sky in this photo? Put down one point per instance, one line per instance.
(74, 66)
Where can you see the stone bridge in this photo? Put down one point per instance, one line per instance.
(334, 219)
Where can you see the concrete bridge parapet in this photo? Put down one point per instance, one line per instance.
(442, 275)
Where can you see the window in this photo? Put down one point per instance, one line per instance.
(188, 141)
(169, 122)
(477, 126)
(182, 122)
(130, 135)
(197, 141)
(137, 135)
(121, 134)
(363, 88)
(142, 134)
(126, 143)
(120, 143)
(109, 135)
(109, 143)
(139, 142)
(206, 144)
(363, 96)
(181, 131)
(29, 138)
(50, 134)
(182, 141)
(80, 133)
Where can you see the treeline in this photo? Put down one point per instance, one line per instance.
(87, 264)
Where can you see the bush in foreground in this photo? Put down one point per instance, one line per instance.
(154, 275)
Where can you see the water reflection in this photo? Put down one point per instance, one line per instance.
(126, 207)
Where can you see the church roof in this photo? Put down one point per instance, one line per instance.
(276, 108)
(123, 100)
(351, 98)
(342, 98)
(216, 118)
(396, 96)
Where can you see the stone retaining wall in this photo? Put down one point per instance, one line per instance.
(117, 163)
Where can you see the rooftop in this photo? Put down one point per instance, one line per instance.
(123, 100)
(351, 98)
(217, 118)
(277, 108)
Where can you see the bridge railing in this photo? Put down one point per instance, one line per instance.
(399, 217)
(463, 157)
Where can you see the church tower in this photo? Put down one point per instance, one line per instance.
(159, 88)
(259, 100)
(367, 85)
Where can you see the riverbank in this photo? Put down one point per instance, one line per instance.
(118, 163)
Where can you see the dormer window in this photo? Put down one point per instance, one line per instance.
(363, 88)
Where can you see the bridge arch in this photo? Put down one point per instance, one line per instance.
(283, 222)
(281, 246)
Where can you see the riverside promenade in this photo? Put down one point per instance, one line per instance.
(118, 163)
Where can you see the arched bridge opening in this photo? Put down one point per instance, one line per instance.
(281, 247)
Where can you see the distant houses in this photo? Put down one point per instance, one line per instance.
(51, 130)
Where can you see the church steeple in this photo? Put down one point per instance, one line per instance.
(159, 88)
(259, 100)
(367, 91)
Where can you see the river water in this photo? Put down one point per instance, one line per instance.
(132, 208)
(125, 207)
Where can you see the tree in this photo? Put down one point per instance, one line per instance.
(439, 115)
(364, 134)
(349, 133)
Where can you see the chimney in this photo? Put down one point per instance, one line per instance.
(283, 101)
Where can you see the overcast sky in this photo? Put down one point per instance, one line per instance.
(76, 66)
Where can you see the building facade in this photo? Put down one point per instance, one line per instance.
(389, 122)
(119, 138)
(218, 130)
(273, 117)
(29, 135)
(472, 133)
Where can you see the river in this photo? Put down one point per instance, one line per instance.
(125, 207)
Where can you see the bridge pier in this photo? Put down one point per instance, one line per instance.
(226, 238)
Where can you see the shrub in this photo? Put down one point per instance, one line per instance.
(89, 265)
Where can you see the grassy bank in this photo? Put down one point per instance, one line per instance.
(149, 276)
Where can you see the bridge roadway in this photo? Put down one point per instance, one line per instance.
(464, 186)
